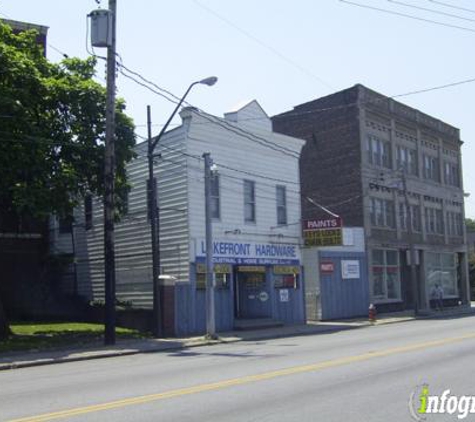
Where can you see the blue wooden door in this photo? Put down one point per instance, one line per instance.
(253, 295)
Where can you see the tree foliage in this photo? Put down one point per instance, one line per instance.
(470, 224)
(52, 130)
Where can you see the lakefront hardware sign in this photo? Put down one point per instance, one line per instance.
(250, 253)
(323, 232)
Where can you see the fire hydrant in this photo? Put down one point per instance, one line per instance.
(372, 313)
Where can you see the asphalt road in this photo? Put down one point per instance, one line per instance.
(366, 374)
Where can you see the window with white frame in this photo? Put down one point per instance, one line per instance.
(281, 200)
(407, 160)
(431, 168)
(382, 213)
(215, 201)
(249, 201)
(434, 221)
(385, 275)
(413, 213)
(451, 174)
(441, 269)
(378, 151)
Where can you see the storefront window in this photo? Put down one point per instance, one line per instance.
(222, 276)
(385, 275)
(441, 269)
(286, 277)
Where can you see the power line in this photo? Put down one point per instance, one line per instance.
(262, 44)
(452, 6)
(223, 123)
(251, 136)
(48, 44)
(421, 91)
(426, 9)
(148, 81)
(198, 158)
(216, 120)
(365, 6)
(377, 100)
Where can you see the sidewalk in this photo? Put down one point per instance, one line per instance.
(131, 347)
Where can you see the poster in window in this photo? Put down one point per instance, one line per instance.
(350, 269)
(284, 295)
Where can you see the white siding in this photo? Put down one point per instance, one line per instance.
(132, 234)
(180, 179)
(252, 160)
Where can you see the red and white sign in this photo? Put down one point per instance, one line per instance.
(322, 224)
(327, 267)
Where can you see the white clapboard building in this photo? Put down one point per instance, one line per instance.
(256, 225)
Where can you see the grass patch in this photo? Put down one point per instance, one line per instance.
(34, 336)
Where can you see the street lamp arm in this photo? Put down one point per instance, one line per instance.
(165, 126)
(207, 81)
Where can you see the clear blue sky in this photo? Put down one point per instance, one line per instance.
(281, 53)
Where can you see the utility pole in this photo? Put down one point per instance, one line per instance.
(154, 223)
(412, 250)
(210, 314)
(109, 171)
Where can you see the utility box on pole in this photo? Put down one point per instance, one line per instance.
(101, 28)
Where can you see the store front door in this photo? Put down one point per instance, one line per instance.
(252, 293)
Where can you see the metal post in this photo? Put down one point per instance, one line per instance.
(154, 227)
(412, 250)
(210, 314)
(154, 212)
(109, 170)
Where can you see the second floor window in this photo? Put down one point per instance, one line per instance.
(413, 214)
(379, 152)
(434, 221)
(281, 205)
(382, 213)
(407, 160)
(249, 201)
(454, 223)
(215, 203)
(431, 168)
(451, 174)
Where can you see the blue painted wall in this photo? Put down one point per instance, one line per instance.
(190, 311)
(344, 298)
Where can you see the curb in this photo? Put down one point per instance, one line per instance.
(165, 348)
(257, 336)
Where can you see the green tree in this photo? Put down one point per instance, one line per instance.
(52, 131)
(470, 224)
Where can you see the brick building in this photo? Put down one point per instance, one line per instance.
(361, 148)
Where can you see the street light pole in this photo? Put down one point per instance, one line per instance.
(154, 211)
(210, 310)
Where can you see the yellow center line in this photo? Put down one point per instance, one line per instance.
(242, 380)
